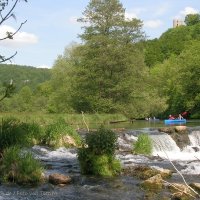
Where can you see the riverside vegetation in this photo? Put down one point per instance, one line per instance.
(17, 164)
(135, 77)
(96, 155)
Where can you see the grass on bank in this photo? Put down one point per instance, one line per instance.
(57, 132)
(75, 120)
(14, 132)
(20, 167)
(143, 145)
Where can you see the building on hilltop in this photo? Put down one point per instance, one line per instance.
(178, 22)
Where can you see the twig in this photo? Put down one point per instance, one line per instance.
(85, 121)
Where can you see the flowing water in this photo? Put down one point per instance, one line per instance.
(64, 161)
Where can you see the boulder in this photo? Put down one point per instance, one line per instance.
(165, 173)
(180, 191)
(144, 172)
(180, 129)
(195, 186)
(155, 183)
(59, 179)
(168, 130)
(68, 140)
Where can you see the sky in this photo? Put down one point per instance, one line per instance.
(51, 25)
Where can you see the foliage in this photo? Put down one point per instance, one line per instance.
(109, 68)
(100, 142)
(179, 79)
(192, 19)
(143, 145)
(23, 75)
(97, 154)
(15, 132)
(8, 90)
(55, 133)
(170, 43)
(20, 167)
(27, 85)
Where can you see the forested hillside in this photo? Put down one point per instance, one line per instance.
(23, 75)
(174, 62)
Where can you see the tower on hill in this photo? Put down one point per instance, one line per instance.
(178, 22)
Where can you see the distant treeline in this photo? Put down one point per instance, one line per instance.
(23, 75)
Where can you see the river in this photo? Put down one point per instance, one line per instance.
(65, 161)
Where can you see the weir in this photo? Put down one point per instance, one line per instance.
(165, 147)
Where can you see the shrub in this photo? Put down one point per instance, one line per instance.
(103, 141)
(15, 132)
(105, 165)
(96, 157)
(20, 167)
(55, 132)
(143, 145)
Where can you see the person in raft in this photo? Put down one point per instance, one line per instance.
(171, 117)
(180, 116)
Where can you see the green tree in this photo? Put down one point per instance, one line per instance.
(61, 82)
(153, 52)
(110, 70)
(25, 99)
(192, 19)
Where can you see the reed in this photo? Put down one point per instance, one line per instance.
(143, 145)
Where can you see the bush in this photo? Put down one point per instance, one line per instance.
(143, 145)
(14, 132)
(105, 165)
(96, 157)
(20, 167)
(103, 141)
(55, 132)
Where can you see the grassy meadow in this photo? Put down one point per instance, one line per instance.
(77, 121)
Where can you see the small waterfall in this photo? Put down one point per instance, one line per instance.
(165, 143)
(195, 139)
(165, 147)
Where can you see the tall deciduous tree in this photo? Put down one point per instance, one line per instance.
(109, 65)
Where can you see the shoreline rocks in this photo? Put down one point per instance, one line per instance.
(59, 179)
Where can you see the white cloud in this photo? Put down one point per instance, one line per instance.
(20, 39)
(43, 66)
(73, 20)
(130, 15)
(134, 13)
(186, 11)
(153, 23)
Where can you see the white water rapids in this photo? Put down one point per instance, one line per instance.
(165, 148)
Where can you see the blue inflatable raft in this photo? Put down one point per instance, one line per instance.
(175, 121)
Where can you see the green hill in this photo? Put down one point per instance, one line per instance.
(23, 75)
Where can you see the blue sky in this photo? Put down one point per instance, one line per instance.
(51, 25)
